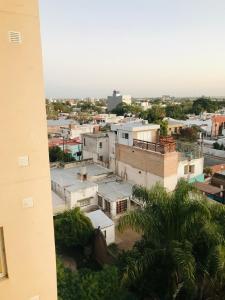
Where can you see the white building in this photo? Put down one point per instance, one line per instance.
(77, 130)
(90, 187)
(104, 119)
(116, 99)
(96, 147)
(140, 130)
(106, 225)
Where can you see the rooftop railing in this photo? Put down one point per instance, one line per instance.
(164, 146)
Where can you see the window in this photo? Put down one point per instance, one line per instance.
(99, 201)
(3, 268)
(125, 135)
(107, 206)
(84, 142)
(100, 145)
(121, 206)
(84, 202)
(104, 233)
(100, 157)
(189, 169)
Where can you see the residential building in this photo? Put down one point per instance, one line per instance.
(104, 119)
(139, 130)
(139, 155)
(174, 126)
(27, 251)
(106, 225)
(55, 126)
(96, 147)
(116, 99)
(73, 147)
(90, 186)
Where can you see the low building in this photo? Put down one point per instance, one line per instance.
(76, 185)
(90, 187)
(114, 197)
(174, 126)
(116, 99)
(211, 191)
(77, 130)
(142, 157)
(55, 126)
(139, 130)
(96, 147)
(104, 119)
(218, 179)
(74, 147)
(106, 225)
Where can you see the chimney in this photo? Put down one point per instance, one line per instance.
(82, 175)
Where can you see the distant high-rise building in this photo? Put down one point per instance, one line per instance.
(27, 252)
(116, 99)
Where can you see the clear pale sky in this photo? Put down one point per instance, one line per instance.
(140, 47)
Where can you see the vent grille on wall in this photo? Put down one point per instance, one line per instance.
(15, 37)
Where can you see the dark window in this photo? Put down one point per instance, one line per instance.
(121, 206)
(100, 201)
(107, 206)
(84, 142)
(100, 145)
(101, 158)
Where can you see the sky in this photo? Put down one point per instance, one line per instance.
(144, 48)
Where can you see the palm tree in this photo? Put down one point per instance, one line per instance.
(182, 247)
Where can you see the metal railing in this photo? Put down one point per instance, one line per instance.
(162, 148)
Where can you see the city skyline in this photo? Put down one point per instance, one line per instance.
(141, 48)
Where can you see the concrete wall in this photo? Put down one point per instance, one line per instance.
(74, 197)
(110, 234)
(162, 165)
(144, 178)
(198, 168)
(25, 205)
(91, 148)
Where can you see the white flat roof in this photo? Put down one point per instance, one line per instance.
(98, 218)
(68, 178)
(115, 190)
(134, 126)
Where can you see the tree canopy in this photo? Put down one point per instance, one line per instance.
(204, 104)
(182, 251)
(57, 154)
(72, 229)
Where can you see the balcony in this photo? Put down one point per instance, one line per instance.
(164, 146)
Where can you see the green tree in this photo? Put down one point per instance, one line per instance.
(155, 114)
(72, 229)
(181, 254)
(204, 104)
(121, 109)
(89, 285)
(57, 154)
(189, 133)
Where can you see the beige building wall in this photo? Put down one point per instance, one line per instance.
(146, 167)
(25, 197)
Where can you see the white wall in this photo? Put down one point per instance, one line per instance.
(198, 170)
(74, 197)
(110, 234)
(144, 135)
(145, 178)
